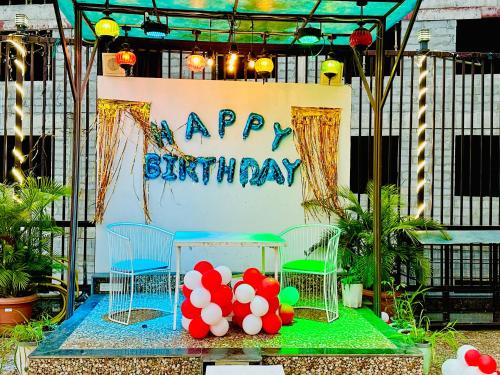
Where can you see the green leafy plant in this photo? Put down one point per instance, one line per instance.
(398, 240)
(26, 230)
(32, 331)
(350, 278)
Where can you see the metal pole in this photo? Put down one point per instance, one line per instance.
(377, 165)
(422, 109)
(75, 169)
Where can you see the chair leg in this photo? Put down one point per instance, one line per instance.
(132, 284)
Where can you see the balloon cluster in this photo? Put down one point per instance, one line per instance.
(256, 303)
(208, 302)
(470, 361)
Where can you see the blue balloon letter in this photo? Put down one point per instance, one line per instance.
(194, 124)
(189, 169)
(226, 169)
(245, 164)
(254, 122)
(279, 134)
(290, 169)
(169, 174)
(270, 171)
(151, 166)
(227, 117)
(206, 162)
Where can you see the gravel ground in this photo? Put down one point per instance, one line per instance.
(487, 342)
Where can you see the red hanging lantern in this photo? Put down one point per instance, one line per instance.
(126, 59)
(361, 38)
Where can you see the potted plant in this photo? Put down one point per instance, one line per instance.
(398, 240)
(352, 290)
(26, 231)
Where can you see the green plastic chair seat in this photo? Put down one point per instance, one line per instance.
(308, 265)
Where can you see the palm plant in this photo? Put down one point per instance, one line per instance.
(26, 230)
(398, 239)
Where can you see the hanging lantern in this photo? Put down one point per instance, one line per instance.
(126, 59)
(251, 61)
(196, 62)
(107, 27)
(264, 66)
(361, 38)
(331, 67)
(210, 58)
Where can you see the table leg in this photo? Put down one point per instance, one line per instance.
(263, 261)
(177, 282)
(276, 261)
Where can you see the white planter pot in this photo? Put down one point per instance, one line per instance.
(352, 295)
(426, 350)
(21, 357)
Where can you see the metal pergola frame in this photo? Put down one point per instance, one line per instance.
(377, 98)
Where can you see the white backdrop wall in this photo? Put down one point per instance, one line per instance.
(186, 205)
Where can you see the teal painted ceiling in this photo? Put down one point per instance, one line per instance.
(279, 18)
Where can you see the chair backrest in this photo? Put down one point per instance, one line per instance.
(312, 242)
(129, 241)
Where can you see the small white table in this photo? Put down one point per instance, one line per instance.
(223, 239)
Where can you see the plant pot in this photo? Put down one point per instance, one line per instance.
(426, 350)
(21, 357)
(352, 295)
(16, 310)
(386, 300)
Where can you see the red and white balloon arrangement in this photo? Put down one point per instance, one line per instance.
(208, 302)
(256, 303)
(470, 361)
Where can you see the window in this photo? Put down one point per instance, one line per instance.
(477, 165)
(362, 161)
(41, 154)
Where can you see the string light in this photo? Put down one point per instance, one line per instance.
(16, 41)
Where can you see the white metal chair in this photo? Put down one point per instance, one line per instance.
(309, 263)
(140, 266)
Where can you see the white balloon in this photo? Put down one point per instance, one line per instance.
(244, 293)
(200, 297)
(461, 352)
(192, 279)
(384, 316)
(226, 274)
(252, 324)
(472, 370)
(259, 306)
(221, 328)
(211, 314)
(185, 323)
(452, 366)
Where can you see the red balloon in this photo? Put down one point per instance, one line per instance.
(211, 280)
(286, 314)
(222, 296)
(471, 357)
(270, 287)
(253, 277)
(186, 291)
(241, 309)
(189, 311)
(486, 364)
(274, 304)
(237, 320)
(198, 328)
(203, 266)
(271, 323)
(227, 309)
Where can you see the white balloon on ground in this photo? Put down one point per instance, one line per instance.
(200, 297)
(252, 324)
(452, 366)
(384, 316)
(192, 279)
(226, 274)
(473, 370)
(461, 352)
(211, 314)
(185, 323)
(220, 328)
(244, 293)
(259, 306)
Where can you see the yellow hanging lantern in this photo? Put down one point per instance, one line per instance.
(107, 27)
(264, 66)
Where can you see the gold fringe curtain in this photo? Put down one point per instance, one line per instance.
(316, 135)
(111, 117)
